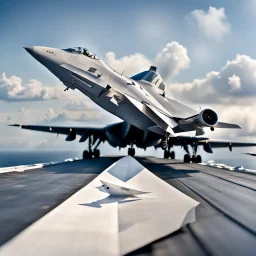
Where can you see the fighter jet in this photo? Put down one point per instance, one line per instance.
(151, 117)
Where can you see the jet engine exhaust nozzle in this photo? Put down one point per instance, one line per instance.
(208, 118)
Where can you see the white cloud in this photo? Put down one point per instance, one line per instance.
(81, 105)
(235, 81)
(76, 116)
(130, 64)
(31, 116)
(170, 61)
(213, 23)
(12, 89)
(73, 111)
(241, 115)
(47, 115)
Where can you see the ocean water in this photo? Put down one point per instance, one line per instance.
(13, 158)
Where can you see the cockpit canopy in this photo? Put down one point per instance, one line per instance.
(84, 51)
(150, 76)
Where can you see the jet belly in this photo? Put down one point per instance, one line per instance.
(123, 134)
(121, 107)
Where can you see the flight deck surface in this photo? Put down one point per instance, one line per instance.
(225, 219)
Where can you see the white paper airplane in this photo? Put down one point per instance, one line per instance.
(117, 190)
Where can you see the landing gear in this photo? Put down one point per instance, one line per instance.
(131, 152)
(90, 154)
(198, 159)
(165, 143)
(96, 153)
(87, 154)
(194, 159)
(187, 158)
(168, 154)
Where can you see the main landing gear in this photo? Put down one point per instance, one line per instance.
(195, 158)
(87, 154)
(90, 154)
(168, 154)
(166, 147)
(131, 151)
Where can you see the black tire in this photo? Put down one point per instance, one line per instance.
(166, 154)
(187, 158)
(85, 154)
(96, 153)
(129, 151)
(164, 145)
(172, 155)
(132, 152)
(90, 154)
(198, 159)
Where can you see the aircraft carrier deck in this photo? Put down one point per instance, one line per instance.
(225, 219)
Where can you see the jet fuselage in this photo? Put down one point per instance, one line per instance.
(116, 93)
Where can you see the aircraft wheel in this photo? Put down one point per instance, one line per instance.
(166, 154)
(186, 158)
(172, 155)
(86, 154)
(90, 154)
(96, 153)
(193, 159)
(131, 151)
(198, 159)
(164, 145)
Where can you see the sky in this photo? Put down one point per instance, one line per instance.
(205, 51)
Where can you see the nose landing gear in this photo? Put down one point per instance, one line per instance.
(87, 154)
(131, 151)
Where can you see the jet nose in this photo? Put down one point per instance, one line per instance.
(45, 55)
(29, 49)
(51, 58)
(35, 51)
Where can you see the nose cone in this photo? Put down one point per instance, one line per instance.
(29, 49)
(38, 52)
(49, 57)
(35, 51)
